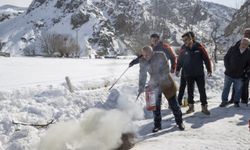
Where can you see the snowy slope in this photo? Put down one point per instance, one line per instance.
(9, 11)
(112, 27)
(32, 95)
(240, 21)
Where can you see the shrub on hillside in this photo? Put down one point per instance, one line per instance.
(62, 44)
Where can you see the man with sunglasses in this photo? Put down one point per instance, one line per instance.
(191, 59)
(183, 82)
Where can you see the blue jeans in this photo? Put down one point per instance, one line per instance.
(174, 105)
(237, 85)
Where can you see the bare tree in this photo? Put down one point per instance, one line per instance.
(215, 36)
(30, 50)
(65, 45)
(47, 42)
(195, 10)
(248, 14)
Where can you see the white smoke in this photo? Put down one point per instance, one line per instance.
(99, 129)
(126, 103)
(124, 100)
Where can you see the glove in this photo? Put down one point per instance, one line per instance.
(135, 61)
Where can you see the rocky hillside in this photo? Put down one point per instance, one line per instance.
(110, 27)
(240, 21)
(9, 11)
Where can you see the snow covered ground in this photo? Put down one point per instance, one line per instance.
(33, 90)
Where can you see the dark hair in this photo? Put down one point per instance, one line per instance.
(189, 34)
(155, 36)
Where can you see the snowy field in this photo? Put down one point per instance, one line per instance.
(34, 90)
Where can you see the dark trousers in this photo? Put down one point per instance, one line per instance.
(175, 107)
(245, 92)
(200, 81)
(182, 87)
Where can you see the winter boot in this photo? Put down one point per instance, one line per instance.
(236, 104)
(181, 126)
(224, 104)
(190, 109)
(157, 124)
(156, 129)
(204, 110)
(231, 101)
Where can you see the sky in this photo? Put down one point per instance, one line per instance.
(25, 3)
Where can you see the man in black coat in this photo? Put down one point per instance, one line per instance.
(236, 61)
(245, 78)
(183, 82)
(191, 59)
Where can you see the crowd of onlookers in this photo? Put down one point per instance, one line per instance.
(189, 65)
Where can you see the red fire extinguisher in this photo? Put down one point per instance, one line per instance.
(150, 98)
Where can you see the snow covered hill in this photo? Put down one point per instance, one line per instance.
(9, 11)
(240, 21)
(111, 27)
(33, 90)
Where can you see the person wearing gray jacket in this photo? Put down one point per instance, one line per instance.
(156, 64)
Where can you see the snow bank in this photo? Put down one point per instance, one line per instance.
(98, 129)
(37, 102)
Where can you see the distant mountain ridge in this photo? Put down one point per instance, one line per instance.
(113, 26)
(10, 11)
(240, 21)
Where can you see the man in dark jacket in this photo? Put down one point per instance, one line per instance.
(245, 78)
(236, 61)
(191, 59)
(158, 45)
(183, 82)
(156, 64)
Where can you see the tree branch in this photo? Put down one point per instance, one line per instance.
(38, 126)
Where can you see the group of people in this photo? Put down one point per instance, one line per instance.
(190, 67)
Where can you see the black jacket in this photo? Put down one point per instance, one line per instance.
(191, 60)
(237, 64)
